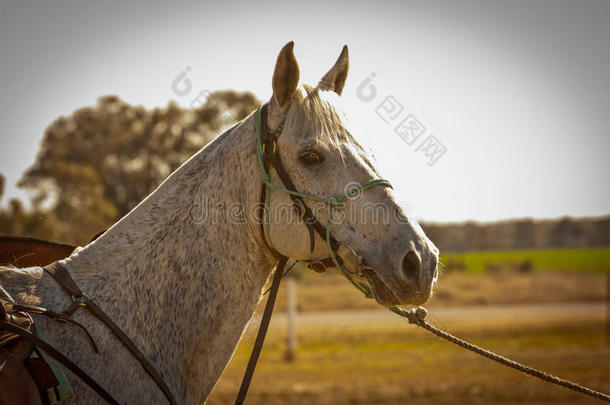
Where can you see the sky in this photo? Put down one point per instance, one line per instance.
(503, 107)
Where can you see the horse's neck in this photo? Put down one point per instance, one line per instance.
(180, 273)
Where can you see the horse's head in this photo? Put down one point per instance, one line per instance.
(376, 240)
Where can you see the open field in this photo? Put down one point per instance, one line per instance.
(592, 259)
(375, 357)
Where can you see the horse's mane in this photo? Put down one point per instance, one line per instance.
(315, 114)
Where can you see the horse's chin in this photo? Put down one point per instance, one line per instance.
(386, 297)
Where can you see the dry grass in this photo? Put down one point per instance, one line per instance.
(378, 358)
(331, 292)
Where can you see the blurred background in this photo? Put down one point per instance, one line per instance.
(490, 119)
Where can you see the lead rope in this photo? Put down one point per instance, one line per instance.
(418, 315)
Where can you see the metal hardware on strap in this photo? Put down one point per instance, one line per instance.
(60, 317)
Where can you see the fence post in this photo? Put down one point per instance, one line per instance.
(608, 308)
(291, 315)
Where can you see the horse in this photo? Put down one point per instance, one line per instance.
(25, 251)
(182, 273)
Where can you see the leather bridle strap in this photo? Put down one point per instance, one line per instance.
(262, 331)
(273, 159)
(63, 278)
(309, 218)
(271, 156)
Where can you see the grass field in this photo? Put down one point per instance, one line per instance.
(375, 357)
(594, 259)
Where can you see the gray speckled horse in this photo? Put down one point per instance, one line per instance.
(182, 273)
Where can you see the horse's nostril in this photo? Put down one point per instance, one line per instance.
(411, 265)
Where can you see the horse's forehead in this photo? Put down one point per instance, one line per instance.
(317, 118)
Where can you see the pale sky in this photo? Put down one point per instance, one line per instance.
(517, 92)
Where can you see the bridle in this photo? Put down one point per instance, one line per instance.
(267, 151)
(268, 157)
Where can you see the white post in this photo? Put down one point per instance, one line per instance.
(608, 308)
(291, 317)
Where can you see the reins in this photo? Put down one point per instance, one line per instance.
(268, 153)
(418, 315)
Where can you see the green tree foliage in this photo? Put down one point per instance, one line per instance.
(97, 164)
(16, 220)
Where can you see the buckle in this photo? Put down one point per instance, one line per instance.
(81, 300)
(317, 266)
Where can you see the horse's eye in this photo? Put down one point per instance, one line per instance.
(310, 157)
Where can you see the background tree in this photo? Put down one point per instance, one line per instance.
(16, 220)
(97, 164)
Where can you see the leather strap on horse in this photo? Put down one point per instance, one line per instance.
(63, 278)
(63, 360)
(262, 332)
(272, 156)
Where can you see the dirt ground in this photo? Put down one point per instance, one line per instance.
(375, 357)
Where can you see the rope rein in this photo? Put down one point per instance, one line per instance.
(418, 315)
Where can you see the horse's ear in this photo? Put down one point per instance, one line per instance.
(286, 75)
(335, 78)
